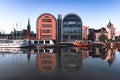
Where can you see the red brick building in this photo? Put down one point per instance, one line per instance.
(46, 27)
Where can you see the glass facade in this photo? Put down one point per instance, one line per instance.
(72, 28)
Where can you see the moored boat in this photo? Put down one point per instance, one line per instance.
(6, 43)
(86, 43)
(14, 50)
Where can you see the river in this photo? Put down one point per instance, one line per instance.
(68, 63)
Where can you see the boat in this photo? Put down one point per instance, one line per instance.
(112, 45)
(14, 50)
(81, 43)
(7, 43)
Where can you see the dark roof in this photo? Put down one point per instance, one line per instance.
(103, 30)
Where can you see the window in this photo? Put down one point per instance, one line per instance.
(47, 51)
(35, 50)
(65, 36)
(46, 25)
(41, 50)
(46, 20)
(47, 67)
(46, 62)
(47, 42)
(46, 31)
(35, 42)
(46, 36)
(40, 42)
(44, 56)
(46, 16)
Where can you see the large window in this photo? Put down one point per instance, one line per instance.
(46, 25)
(46, 62)
(77, 30)
(46, 20)
(46, 57)
(47, 67)
(46, 36)
(65, 36)
(46, 31)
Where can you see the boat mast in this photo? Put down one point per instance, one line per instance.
(20, 32)
(16, 30)
(13, 32)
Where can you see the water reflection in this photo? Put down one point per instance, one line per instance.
(28, 57)
(104, 53)
(14, 50)
(56, 63)
(71, 60)
(71, 57)
(47, 63)
(110, 56)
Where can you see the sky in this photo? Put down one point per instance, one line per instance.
(94, 13)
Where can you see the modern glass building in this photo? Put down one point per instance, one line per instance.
(72, 28)
(46, 27)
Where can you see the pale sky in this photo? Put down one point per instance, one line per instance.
(94, 13)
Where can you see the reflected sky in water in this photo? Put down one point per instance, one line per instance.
(60, 64)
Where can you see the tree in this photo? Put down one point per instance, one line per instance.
(102, 38)
(118, 39)
(91, 36)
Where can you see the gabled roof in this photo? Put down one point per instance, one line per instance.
(103, 30)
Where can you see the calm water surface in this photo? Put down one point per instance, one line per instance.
(60, 64)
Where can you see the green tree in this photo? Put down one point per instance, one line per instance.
(118, 39)
(102, 38)
(91, 36)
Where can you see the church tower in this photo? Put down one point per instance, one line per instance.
(28, 30)
(111, 31)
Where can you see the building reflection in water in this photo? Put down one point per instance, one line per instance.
(28, 57)
(105, 54)
(47, 62)
(110, 56)
(63, 61)
(71, 60)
